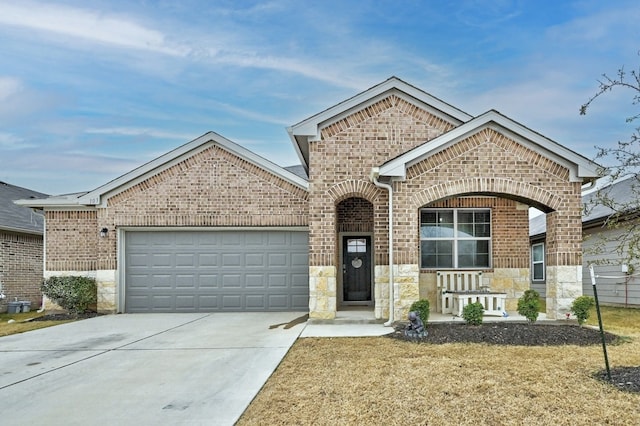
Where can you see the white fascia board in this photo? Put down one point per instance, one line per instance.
(51, 202)
(20, 230)
(579, 166)
(311, 126)
(99, 195)
(302, 156)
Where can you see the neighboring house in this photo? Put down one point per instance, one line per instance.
(617, 282)
(211, 226)
(21, 247)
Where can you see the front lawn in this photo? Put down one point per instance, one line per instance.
(378, 380)
(21, 322)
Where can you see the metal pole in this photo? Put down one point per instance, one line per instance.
(604, 344)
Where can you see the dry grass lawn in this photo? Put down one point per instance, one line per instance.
(22, 324)
(377, 380)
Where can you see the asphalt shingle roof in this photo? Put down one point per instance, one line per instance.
(17, 218)
(620, 190)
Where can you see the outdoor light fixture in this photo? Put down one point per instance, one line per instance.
(103, 232)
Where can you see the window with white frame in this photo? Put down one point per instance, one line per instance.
(455, 238)
(537, 262)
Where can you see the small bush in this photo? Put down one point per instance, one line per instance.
(422, 308)
(472, 313)
(73, 293)
(581, 306)
(529, 305)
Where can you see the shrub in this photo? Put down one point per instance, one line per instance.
(73, 293)
(529, 305)
(422, 308)
(472, 313)
(581, 306)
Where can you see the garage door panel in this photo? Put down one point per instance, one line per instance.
(231, 259)
(161, 260)
(208, 271)
(278, 260)
(232, 302)
(206, 281)
(300, 281)
(254, 260)
(254, 281)
(255, 301)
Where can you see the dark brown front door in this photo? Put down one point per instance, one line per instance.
(356, 269)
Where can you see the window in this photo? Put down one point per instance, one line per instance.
(455, 238)
(537, 262)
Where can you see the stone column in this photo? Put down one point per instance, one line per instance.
(563, 261)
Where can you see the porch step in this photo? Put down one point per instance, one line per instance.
(350, 316)
(340, 321)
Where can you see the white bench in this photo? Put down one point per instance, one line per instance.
(457, 289)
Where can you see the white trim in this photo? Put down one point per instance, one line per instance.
(580, 167)
(309, 129)
(98, 196)
(543, 262)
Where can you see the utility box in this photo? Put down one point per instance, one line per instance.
(18, 307)
(14, 307)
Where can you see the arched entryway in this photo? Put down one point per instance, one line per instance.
(354, 229)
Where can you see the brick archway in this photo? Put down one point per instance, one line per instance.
(496, 186)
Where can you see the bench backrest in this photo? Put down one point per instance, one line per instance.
(459, 281)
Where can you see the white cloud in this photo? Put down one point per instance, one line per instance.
(10, 142)
(9, 87)
(139, 131)
(87, 25)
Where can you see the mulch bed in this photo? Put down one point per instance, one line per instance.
(523, 334)
(63, 316)
(508, 333)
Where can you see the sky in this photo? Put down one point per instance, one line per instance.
(91, 89)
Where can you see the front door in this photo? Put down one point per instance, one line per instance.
(356, 269)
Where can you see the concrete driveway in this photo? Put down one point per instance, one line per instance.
(143, 369)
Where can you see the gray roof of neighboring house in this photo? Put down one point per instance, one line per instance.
(620, 190)
(16, 218)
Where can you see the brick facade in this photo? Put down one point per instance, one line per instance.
(486, 162)
(21, 268)
(487, 167)
(211, 188)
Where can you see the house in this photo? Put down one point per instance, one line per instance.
(617, 282)
(400, 186)
(21, 247)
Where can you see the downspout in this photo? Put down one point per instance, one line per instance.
(44, 252)
(375, 174)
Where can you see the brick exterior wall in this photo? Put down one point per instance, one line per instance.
(211, 188)
(485, 163)
(21, 268)
(72, 240)
(341, 162)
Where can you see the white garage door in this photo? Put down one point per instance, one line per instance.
(210, 271)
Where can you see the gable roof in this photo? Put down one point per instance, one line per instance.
(309, 130)
(98, 196)
(619, 191)
(580, 168)
(15, 218)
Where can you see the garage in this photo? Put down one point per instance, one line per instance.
(216, 271)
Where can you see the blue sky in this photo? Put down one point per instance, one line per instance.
(90, 89)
